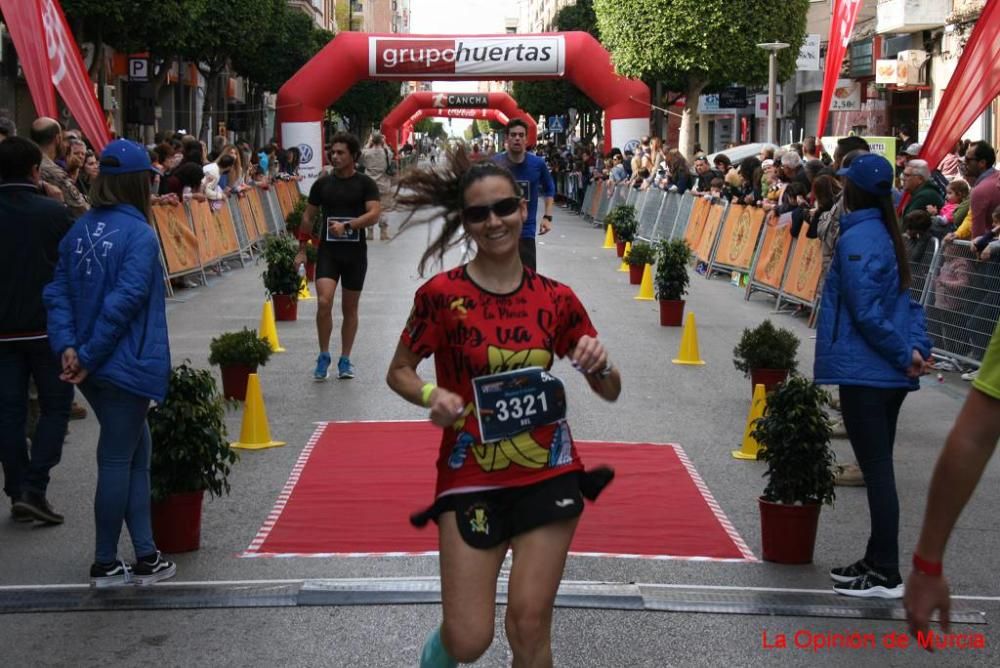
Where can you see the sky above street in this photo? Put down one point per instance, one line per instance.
(459, 17)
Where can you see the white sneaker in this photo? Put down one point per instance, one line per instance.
(971, 375)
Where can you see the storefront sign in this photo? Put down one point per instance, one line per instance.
(809, 54)
(846, 96)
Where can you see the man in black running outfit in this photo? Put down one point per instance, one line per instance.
(347, 202)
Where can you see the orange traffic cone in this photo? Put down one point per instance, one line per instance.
(609, 239)
(689, 344)
(268, 330)
(750, 446)
(646, 287)
(628, 249)
(254, 433)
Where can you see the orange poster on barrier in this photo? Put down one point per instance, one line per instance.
(208, 246)
(288, 193)
(225, 231)
(595, 202)
(180, 245)
(696, 221)
(246, 214)
(805, 268)
(257, 206)
(739, 237)
(773, 254)
(713, 221)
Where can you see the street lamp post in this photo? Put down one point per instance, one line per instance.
(772, 84)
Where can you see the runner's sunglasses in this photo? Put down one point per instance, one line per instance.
(502, 207)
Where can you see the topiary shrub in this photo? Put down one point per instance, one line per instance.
(766, 347)
(794, 435)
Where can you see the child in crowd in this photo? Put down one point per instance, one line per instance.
(984, 245)
(917, 236)
(956, 204)
(715, 189)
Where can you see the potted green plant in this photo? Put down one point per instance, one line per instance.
(638, 257)
(281, 278)
(671, 279)
(191, 455)
(311, 254)
(238, 354)
(794, 437)
(624, 223)
(766, 354)
(294, 219)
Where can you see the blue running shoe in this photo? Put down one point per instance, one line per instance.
(344, 368)
(322, 367)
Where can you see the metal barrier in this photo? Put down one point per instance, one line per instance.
(962, 303)
(588, 200)
(649, 216)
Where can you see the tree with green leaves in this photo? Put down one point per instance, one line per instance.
(700, 45)
(555, 96)
(367, 102)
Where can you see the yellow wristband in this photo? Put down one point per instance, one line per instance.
(425, 394)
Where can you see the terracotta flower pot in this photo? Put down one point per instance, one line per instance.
(620, 248)
(177, 522)
(671, 312)
(769, 378)
(788, 533)
(635, 273)
(234, 380)
(285, 308)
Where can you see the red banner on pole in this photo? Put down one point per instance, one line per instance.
(975, 83)
(845, 12)
(70, 76)
(24, 21)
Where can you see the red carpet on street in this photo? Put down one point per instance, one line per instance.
(356, 484)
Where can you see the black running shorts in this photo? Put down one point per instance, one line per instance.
(494, 516)
(348, 270)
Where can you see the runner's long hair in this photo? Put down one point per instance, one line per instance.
(440, 192)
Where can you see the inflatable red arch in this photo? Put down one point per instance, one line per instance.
(454, 101)
(352, 56)
(406, 133)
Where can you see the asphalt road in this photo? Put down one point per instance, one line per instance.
(701, 408)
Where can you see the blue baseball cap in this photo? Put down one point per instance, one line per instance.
(870, 172)
(125, 157)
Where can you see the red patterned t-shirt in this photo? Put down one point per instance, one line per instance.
(471, 333)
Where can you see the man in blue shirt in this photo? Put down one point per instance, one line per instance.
(533, 176)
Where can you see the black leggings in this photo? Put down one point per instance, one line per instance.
(870, 415)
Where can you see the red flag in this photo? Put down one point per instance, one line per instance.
(841, 26)
(70, 76)
(24, 20)
(975, 83)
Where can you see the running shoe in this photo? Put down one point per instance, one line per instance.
(322, 367)
(345, 369)
(114, 574)
(850, 573)
(154, 568)
(872, 584)
(971, 375)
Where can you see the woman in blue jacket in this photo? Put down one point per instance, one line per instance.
(871, 341)
(107, 320)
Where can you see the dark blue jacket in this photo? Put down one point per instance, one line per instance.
(107, 300)
(867, 328)
(31, 226)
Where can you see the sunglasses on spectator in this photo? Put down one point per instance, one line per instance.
(502, 208)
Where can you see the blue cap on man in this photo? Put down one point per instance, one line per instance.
(870, 172)
(125, 157)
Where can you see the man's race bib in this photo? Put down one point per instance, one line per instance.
(516, 401)
(351, 236)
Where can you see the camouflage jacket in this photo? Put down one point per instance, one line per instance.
(56, 176)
